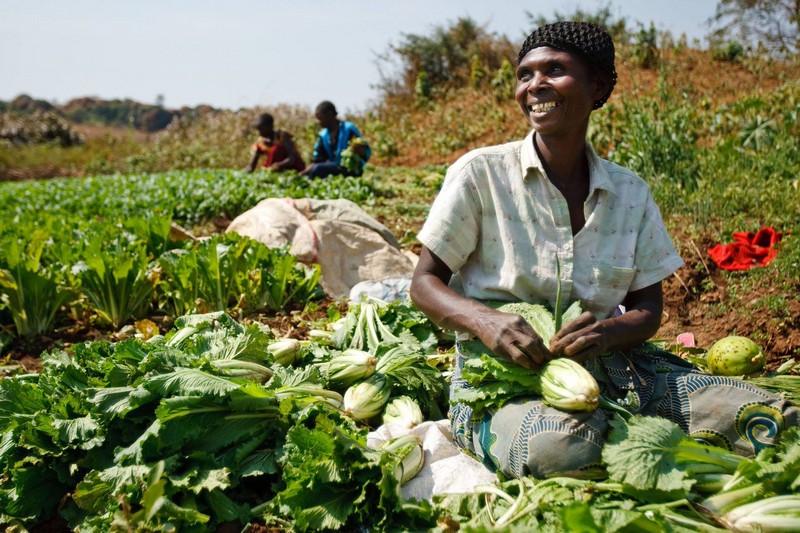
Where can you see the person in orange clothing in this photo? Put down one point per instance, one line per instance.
(277, 147)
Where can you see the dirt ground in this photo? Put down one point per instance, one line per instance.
(708, 319)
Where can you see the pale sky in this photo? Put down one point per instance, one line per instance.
(245, 53)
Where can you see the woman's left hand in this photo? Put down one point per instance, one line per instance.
(581, 339)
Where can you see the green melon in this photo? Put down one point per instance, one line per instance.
(735, 356)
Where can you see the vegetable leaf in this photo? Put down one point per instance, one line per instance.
(642, 453)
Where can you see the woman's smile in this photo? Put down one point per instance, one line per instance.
(542, 107)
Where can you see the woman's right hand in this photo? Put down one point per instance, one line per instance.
(509, 336)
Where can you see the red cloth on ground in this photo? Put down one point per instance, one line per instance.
(748, 249)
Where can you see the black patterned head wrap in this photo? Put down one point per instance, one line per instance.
(589, 41)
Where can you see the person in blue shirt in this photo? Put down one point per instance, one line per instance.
(340, 149)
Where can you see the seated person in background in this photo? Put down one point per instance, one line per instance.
(340, 149)
(276, 145)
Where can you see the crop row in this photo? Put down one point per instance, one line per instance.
(101, 248)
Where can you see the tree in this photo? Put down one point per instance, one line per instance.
(447, 58)
(616, 27)
(775, 24)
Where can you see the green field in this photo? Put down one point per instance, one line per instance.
(155, 383)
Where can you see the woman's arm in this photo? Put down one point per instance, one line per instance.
(251, 165)
(586, 337)
(507, 335)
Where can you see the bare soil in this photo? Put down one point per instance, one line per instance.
(696, 300)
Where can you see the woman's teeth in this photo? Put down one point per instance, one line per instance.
(541, 108)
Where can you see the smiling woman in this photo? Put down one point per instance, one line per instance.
(545, 217)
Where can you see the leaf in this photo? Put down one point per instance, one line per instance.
(153, 499)
(494, 382)
(118, 401)
(93, 492)
(225, 509)
(36, 492)
(571, 313)
(495, 394)
(84, 432)
(249, 345)
(189, 381)
(144, 448)
(642, 454)
(577, 518)
(258, 463)
(19, 397)
(324, 509)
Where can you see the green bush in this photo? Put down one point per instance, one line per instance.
(731, 51)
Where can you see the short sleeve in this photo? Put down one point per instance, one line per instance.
(452, 228)
(656, 257)
(259, 148)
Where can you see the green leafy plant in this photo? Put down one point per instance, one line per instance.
(32, 291)
(229, 270)
(277, 280)
(115, 278)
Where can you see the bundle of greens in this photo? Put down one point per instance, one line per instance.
(561, 383)
(373, 322)
(401, 369)
(763, 493)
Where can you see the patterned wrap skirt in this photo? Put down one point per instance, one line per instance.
(526, 437)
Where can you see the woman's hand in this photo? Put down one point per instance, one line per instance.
(509, 336)
(586, 337)
(581, 339)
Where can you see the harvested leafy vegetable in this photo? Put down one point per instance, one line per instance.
(116, 428)
(653, 454)
(561, 383)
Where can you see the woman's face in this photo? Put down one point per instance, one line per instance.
(556, 90)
